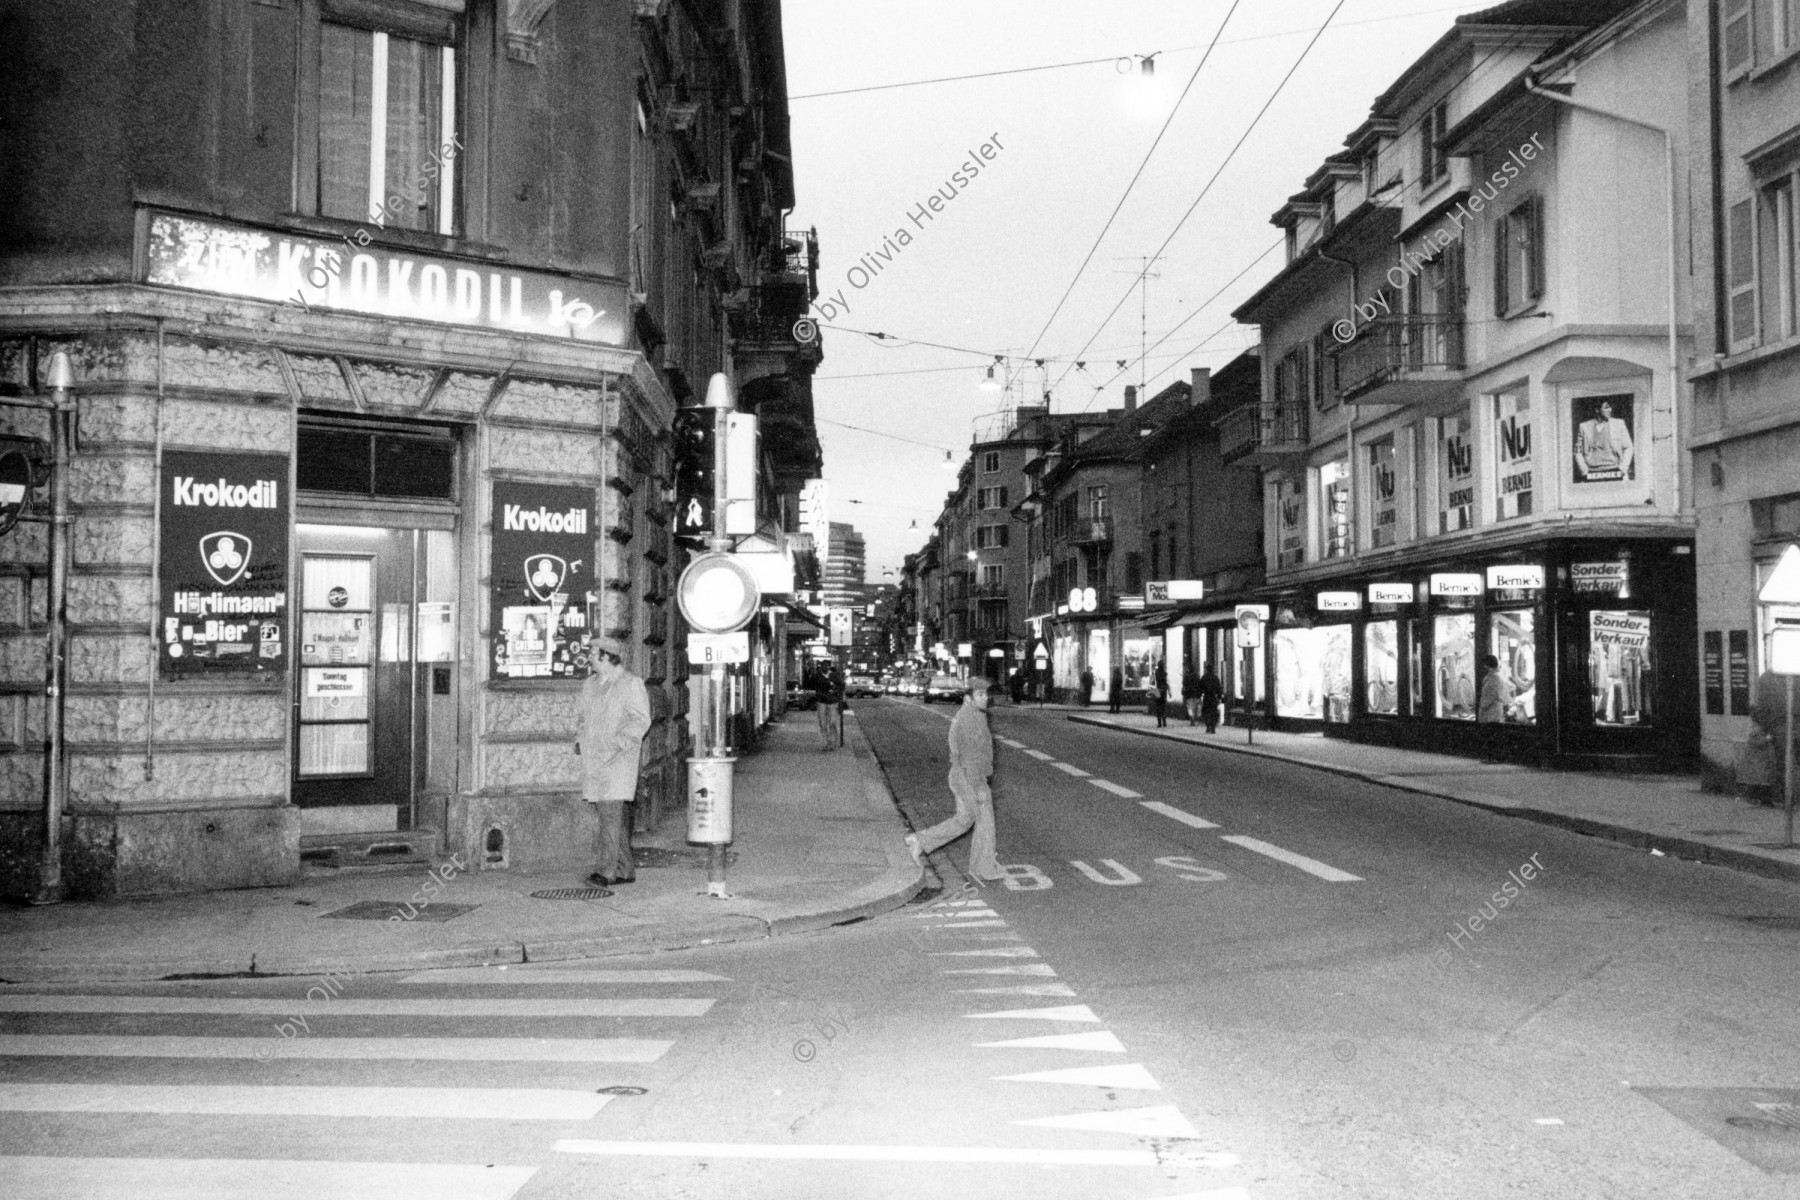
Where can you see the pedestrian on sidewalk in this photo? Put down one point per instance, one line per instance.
(971, 762)
(1190, 693)
(1159, 694)
(1768, 713)
(615, 716)
(831, 707)
(1087, 687)
(1212, 693)
(1116, 697)
(1497, 692)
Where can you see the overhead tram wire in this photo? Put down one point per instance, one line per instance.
(1088, 62)
(1138, 174)
(1505, 45)
(1251, 128)
(879, 433)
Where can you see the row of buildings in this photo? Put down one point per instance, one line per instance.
(1528, 385)
(379, 313)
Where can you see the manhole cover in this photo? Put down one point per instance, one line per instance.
(656, 856)
(580, 893)
(382, 910)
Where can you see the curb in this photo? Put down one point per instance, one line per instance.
(902, 880)
(1641, 839)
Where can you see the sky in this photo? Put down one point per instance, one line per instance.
(983, 276)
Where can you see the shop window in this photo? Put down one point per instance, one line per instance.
(1381, 667)
(1512, 638)
(1603, 438)
(1456, 474)
(1512, 454)
(1334, 669)
(1619, 666)
(1453, 665)
(1384, 497)
(1334, 502)
(1299, 673)
(386, 129)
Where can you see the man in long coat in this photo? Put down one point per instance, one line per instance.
(615, 715)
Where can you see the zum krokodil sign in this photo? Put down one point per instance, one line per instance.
(364, 277)
(222, 563)
(541, 581)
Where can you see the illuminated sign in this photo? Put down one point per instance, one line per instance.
(1503, 579)
(1338, 602)
(1456, 584)
(315, 272)
(1390, 593)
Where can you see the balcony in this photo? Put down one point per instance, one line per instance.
(1258, 435)
(1407, 359)
(1092, 532)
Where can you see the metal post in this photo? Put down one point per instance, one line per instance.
(719, 398)
(1788, 756)
(56, 777)
(1249, 696)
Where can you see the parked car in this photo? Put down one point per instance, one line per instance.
(860, 685)
(800, 696)
(944, 687)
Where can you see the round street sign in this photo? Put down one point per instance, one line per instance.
(717, 594)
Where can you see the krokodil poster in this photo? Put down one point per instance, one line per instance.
(541, 581)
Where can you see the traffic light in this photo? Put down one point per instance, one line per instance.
(694, 472)
(24, 467)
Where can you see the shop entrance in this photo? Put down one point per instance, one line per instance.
(374, 707)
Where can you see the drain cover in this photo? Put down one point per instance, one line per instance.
(656, 856)
(381, 910)
(580, 893)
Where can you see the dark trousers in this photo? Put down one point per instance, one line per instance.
(612, 841)
(1115, 698)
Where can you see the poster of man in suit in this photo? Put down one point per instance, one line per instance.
(1603, 446)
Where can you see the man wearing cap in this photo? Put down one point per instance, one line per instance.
(615, 715)
(971, 762)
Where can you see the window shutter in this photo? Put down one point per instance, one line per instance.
(1500, 248)
(1003, 497)
(1737, 16)
(1741, 272)
(1003, 536)
(1454, 288)
(1534, 250)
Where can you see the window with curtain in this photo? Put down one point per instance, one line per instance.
(388, 142)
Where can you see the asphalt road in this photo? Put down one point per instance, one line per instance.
(1146, 1010)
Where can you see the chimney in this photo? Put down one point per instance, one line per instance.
(1200, 389)
(1130, 397)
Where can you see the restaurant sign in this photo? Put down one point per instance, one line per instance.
(222, 563)
(348, 276)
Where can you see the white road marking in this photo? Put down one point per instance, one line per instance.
(1230, 1193)
(1311, 866)
(1010, 742)
(1066, 769)
(1101, 1042)
(1041, 756)
(1159, 1121)
(1040, 969)
(558, 973)
(1068, 1012)
(1126, 877)
(460, 1104)
(1109, 786)
(1190, 868)
(998, 952)
(1022, 989)
(232, 1005)
(1125, 1075)
(962, 1154)
(55, 1178)
(1169, 810)
(974, 923)
(961, 914)
(640, 1050)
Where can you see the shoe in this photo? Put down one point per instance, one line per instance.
(624, 879)
(598, 880)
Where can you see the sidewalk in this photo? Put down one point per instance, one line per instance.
(1653, 812)
(819, 842)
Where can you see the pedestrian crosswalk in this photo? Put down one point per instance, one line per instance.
(484, 1083)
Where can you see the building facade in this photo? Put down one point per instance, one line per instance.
(371, 411)
(1472, 395)
(1744, 122)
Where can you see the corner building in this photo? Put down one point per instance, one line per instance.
(379, 312)
(1473, 397)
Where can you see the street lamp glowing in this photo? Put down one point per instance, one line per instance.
(990, 384)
